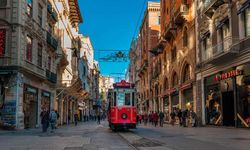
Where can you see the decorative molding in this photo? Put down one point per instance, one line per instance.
(222, 12)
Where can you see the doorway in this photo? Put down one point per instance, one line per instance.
(228, 108)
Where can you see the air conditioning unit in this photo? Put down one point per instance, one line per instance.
(183, 8)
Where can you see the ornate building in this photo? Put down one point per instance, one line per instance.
(223, 58)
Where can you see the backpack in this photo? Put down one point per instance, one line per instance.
(53, 116)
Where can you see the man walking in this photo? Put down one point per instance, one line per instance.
(53, 118)
(75, 118)
(44, 119)
(161, 115)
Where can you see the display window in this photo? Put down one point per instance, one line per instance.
(45, 101)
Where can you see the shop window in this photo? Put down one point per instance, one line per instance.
(187, 73)
(40, 15)
(40, 55)
(29, 48)
(2, 41)
(173, 54)
(185, 37)
(246, 18)
(29, 7)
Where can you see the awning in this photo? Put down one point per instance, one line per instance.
(168, 92)
(243, 7)
(185, 86)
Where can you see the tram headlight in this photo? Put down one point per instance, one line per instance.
(124, 116)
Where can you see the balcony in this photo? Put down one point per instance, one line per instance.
(222, 51)
(30, 67)
(52, 77)
(143, 68)
(180, 14)
(170, 29)
(52, 15)
(52, 41)
(211, 5)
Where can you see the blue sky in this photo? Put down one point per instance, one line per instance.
(111, 25)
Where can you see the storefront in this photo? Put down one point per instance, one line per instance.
(227, 97)
(187, 96)
(166, 107)
(174, 98)
(45, 100)
(30, 106)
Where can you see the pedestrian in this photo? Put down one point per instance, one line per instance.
(57, 121)
(140, 118)
(179, 115)
(137, 119)
(172, 115)
(44, 119)
(155, 119)
(161, 115)
(75, 118)
(98, 119)
(184, 117)
(149, 117)
(145, 119)
(53, 119)
(194, 119)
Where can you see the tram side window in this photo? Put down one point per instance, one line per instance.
(114, 99)
(133, 99)
(127, 99)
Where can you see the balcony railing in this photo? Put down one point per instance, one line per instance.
(34, 68)
(52, 13)
(52, 41)
(211, 5)
(180, 14)
(7, 61)
(52, 77)
(229, 46)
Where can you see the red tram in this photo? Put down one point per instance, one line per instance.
(121, 108)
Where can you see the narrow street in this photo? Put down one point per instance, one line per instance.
(90, 136)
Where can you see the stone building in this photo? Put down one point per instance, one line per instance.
(173, 80)
(149, 32)
(223, 62)
(38, 60)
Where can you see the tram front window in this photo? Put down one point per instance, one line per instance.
(127, 99)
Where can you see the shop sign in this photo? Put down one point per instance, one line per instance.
(31, 90)
(229, 74)
(2, 41)
(46, 94)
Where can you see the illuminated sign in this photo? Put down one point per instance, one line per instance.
(123, 83)
(227, 75)
(2, 41)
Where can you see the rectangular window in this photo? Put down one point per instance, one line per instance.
(127, 99)
(159, 19)
(247, 22)
(225, 35)
(3, 3)
(40, 55)
(29, 49)
(40, 15)
(49, 63)
(29, 7)
(2, 41)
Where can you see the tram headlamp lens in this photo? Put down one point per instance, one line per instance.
(124, 116)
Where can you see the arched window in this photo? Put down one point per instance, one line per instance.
(174, 53)
(175, 80)
(165, 84)
(187, 72)
(185, 37)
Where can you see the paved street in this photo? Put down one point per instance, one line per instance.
(90, 136)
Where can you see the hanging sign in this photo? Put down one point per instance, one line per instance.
(229, 74)
(2, 41)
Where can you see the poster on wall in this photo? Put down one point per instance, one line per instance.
(9, 112)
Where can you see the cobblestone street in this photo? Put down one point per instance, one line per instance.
(90, 136)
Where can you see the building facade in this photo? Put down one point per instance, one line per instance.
(38, 60)
(149, 33)
(223, 62)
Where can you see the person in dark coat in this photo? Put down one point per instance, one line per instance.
(45, 119)
(179, 115)
(145, 119)
(161, 115)
(155, 119)
(76, 118)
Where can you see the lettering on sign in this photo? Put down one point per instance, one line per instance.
(227, 75)
(9, 112)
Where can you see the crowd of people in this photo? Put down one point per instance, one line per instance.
(50, 119)
(182, 117)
